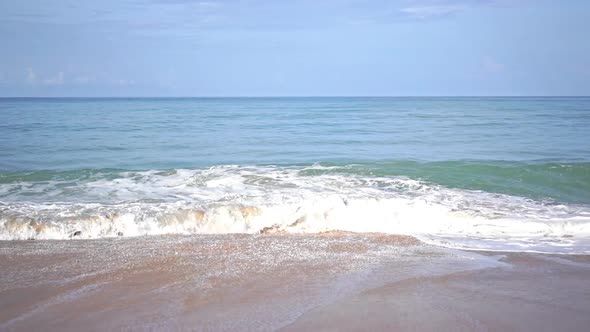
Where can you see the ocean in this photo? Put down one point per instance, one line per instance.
(500, 174)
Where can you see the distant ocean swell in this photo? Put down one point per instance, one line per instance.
(498, 206)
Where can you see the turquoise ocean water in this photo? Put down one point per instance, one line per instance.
(485, 173)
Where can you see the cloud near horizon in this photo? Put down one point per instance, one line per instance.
(31, 78)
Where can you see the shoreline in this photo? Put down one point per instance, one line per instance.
(332, 281)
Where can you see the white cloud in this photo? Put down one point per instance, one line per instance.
(186, 16)
(491, 65)
(32, 78)
(57, 80)
(82, 80)
(123, 82)
(430, 12)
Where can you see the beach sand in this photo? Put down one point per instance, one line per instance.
(332, 281)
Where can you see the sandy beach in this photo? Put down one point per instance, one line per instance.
(331, 281)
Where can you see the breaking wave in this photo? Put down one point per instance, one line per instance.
(275, 200)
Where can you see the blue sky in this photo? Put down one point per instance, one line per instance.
(294, 48)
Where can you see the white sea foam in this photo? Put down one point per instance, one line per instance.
(233, 199)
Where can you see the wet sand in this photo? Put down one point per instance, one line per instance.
(334, 281)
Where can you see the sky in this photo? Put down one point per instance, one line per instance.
(294, 48)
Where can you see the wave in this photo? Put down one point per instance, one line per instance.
(565, 182)
(282, 199)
